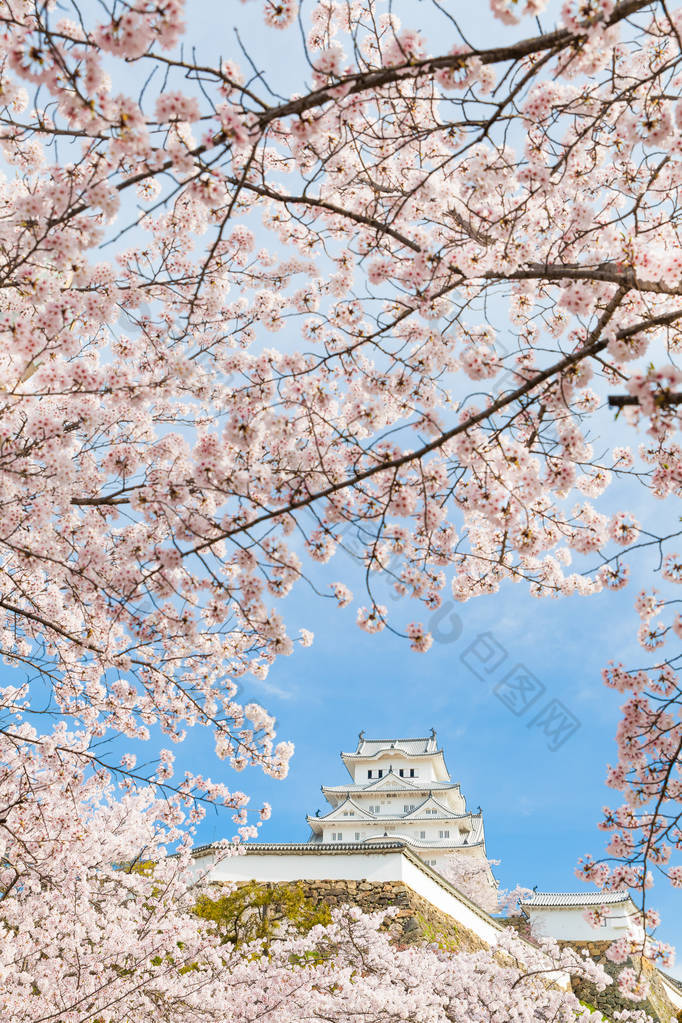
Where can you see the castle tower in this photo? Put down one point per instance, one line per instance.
(401, 790)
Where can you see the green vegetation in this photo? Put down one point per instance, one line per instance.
(255, 911)
(437, 936)
(593, 1008)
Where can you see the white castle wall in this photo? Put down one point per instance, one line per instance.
(569, 924)
(673, 993)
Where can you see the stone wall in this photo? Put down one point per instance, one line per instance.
(417, 919)
(610, 1000)
(658, 1004)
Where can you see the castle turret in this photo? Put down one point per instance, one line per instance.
(401, 790)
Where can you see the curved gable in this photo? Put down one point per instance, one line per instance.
(343, 808)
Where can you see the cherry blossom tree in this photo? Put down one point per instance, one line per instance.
(467, 252)
(646, 829)
(474, 878)
(96, 920)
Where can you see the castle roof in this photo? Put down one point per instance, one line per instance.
(393, 783)
(337, 810)
(674, 981)
(446, 813)
(368, 747)
(411, 749)
(426, 843)
(577, 899)
(416, 816)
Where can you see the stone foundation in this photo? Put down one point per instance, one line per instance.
(609, 1001)
(417, 919)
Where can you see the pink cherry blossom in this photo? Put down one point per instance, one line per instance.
(384, 315)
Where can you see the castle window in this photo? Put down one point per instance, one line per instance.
(380, 773)
(422, 834)
(369, 774)
(357, 836)
(337, 836)
(401, 773)
(443, 834)
(412, 774)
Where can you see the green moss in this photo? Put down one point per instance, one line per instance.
(255, 911)
(609, 1001)
(593, 1008)
(449, 940)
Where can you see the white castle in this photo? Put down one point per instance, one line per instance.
(402, 819)
(401, 790)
